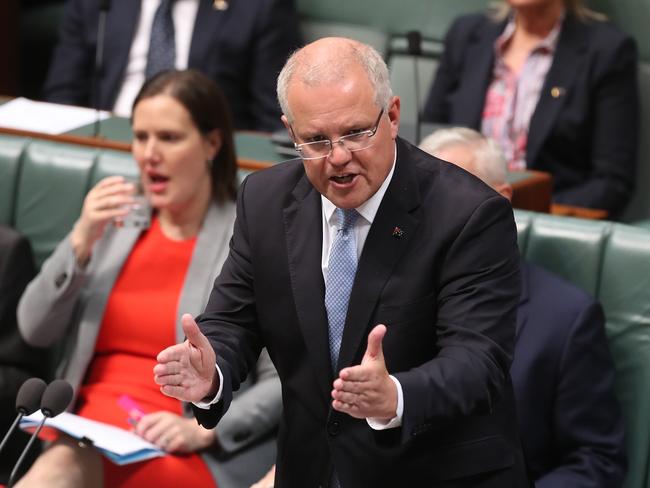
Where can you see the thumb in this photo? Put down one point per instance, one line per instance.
(375, 338)
(193, 333)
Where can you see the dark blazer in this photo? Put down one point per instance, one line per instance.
(570, 420)
(243, 48)
(18, 361)
(446, 286)
(586, 135)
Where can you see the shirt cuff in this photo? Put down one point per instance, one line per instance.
(396, 421)
(217, 397)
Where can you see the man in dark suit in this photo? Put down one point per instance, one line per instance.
(403, 379)
(18, 361)
(569, 418)
(584, 127)
(242, 45)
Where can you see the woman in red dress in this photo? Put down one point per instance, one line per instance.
(115, 293)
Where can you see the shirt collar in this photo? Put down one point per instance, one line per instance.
(367, 209)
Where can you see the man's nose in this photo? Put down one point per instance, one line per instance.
(340, 154)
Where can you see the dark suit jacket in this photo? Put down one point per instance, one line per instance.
(242, 48)
(587, 137)
(569, 418)
(18, 361)
(447, 288)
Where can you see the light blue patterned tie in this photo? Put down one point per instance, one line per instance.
(341, 270)
(162, 47)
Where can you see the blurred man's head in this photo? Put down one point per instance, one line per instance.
(473, 152)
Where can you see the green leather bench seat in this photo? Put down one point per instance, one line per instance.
(612, 262)
(43, 184)
(11, 149)
(51, 188)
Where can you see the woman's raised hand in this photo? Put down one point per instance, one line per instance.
(108, 200)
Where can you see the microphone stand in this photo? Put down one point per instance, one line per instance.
(104, 7)
(14, 471)
(11, 430)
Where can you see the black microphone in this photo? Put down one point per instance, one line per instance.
(104, 7)
(55, 399)
(414, 40)
(28, 400)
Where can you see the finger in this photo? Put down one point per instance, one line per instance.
(355, 373)
(194, 334)
(357, 387)
(350, 409)
(178, 392)
(110, 180)
(345, 397)
(146, 422)
(375, 338)
(177, 352)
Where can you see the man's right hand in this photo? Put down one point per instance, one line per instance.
(188, 371)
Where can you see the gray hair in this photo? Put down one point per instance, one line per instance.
(499, 10)
(328, 69)
(490, 161)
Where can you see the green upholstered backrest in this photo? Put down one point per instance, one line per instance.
(612, 262)
(625, 295)
(43, 184)
(51, 188)
(11, 149)
(632, 16)
(430, 17)
(110, 163)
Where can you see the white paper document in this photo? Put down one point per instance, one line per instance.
(48, 118)
(119, 445)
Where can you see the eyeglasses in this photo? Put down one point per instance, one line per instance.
(356, 141)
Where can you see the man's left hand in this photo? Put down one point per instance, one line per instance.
(366, 390)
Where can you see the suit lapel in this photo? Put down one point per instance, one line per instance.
(206, 26)
(566, 64)
(477, 74)
(382, 250)
(304, 233)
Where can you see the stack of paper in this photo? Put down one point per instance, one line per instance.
(119, 445)
(48, 118)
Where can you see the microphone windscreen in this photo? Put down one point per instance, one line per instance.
(28, 399)
(56, 398)
(414, 39)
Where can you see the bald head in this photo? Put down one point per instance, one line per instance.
(332, 60)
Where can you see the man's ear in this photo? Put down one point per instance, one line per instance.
(394, 116)
(505, 189)
(285, 121)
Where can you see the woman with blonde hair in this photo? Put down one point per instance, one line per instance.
(555, 85)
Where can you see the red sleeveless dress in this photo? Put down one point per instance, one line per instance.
(138, 323)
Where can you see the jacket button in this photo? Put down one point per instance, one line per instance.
(333, 427)
(60, 279)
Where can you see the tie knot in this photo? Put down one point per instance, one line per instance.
(346, 217)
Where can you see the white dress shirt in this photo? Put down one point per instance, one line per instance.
(184, 16)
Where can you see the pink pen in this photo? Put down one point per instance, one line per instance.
(131, 408)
